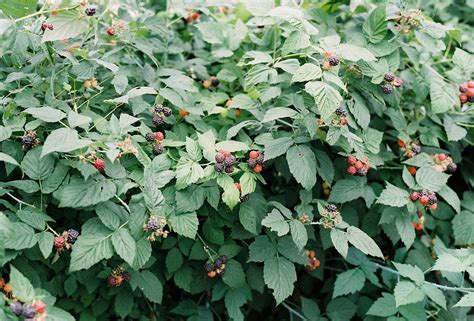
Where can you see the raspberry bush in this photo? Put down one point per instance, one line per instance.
(265, 159)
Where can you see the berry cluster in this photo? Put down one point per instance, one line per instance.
(467, 92)
(159, 114)
(408, 20)
(340, 119)
(391, 81)
(409, 149)
(444, 163)
(357, 167)
(156, 226)
(46, 25)
(313, 261)
(6, 288)
(126, 147)
(330, 216)
(426, 198)
(304, 218)
(90, 83)
(217, 267)
(211, 82)
(116, 28)
(255, 160)
(330, 61)
(421, 220)
(117, 277)
(29, 311)
(224, 162)
(243, 198)
(29, 140)
(326, 189)
(90, 10)
(66, 240)
(157, 139)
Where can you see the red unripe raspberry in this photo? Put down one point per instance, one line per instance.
(470, 84)
(7, 289)
(401, 143)
(183, 113)
(258, 168)
(470, 92)
(110, 31)
(195, 16)
(418, 226)
(40, 307)
(99, 164)
(358, 165)
(211, 274)
(327, 53)
(351, 160)
(351, 170)
(238, 186)
(254, 154)
(463, 98)
(311, 254)
(414, 196)
(412, 170)
(59, 242)
(424, 200)
(434, 206)
(441, 157)
(226, 153)
(159, 136)
(316, 263)
(237, 112)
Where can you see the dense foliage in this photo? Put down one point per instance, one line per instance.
(265, 159)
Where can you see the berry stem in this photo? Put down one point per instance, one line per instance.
(207, 248)
(52, 230)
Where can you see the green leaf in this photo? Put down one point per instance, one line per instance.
(187, 173)
(234, 299)
(57, 314)
(394, 196)
(45, 243)
(384, 306)
(276, 222)
(34, 217)
(450, 263)
(247, 183)
(279, 275)
(123, 304)
(405, 229)
(349, 282)
(430, 179)
(261, 249)
(298, 233)
(407, 292)
(231, 195)
(189, 199)
(35, 167)
(124, 245)
(443, 95)
(132, 93)
(408, 178)
(451, 198)
(279, 112)
(339, 240)
(412, 272)
(463, 227)
(307, 72)
(185, 224)
(143, 253)
(46, 114)
(302, 164)
(346, 190)
(63, 140)
(67, 24)
(310, 309)
(18, 8)
(375, 27)
(463, 60)
(193, 150)
(150, 285)
(21, 286)
(91, 248)
(327, 98)
(363, 242)
(435, 294)
(107, 215)
(80, 193)
(232, 146)
(234, 275)
(19, 236)
(466, 301)
(355, 53)
(277, 147)
(8, 159)
(454, 131)
(174, 260)
(341, 309)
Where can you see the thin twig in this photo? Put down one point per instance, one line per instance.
(293, 311)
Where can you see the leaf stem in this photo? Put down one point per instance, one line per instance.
(293, 311)
(20, 201)
(123, 203)
(45, 11)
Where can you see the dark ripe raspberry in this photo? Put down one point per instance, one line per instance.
(387, 89)
(419, 214)
(208, 267)
(214, 81)
(72, 236)
(462, 88)
(29, 311)
(29, 141)
(333, 61)
(451, 168)
(220, 158)
(229, 169)
(59, 242)
(416, 148)
(90, 10)
(158, 149)
(414, 196)
(470, 99)
(389, 77)
(44, 26)
(224, 259)
(167, 111)
(229, 161)
(17, 308)
(152, 224)
(340, 112)
(218, 262)
(150, 137)
(252, 162)
(158, 121)
(331, 207)
(50, 26)
(219, 167)
(158, 109)
(244, 198)
(424, 192)
(362, 172)
(432, 199)
(126, 276)
(260, 159)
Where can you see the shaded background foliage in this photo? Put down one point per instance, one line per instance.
(304, 84)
